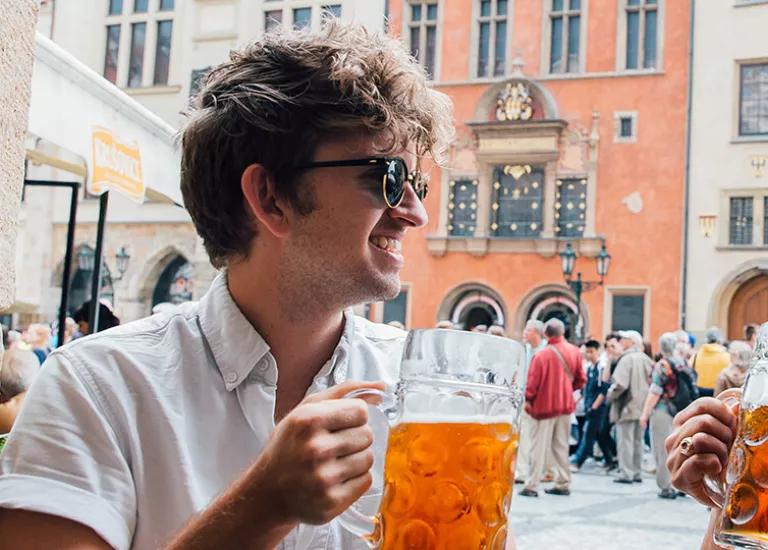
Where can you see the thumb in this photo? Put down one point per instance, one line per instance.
(340, 390)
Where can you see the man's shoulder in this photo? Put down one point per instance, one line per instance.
(156, 337)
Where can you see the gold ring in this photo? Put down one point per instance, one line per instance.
(686, 446)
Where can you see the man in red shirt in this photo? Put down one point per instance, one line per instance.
(555, 372)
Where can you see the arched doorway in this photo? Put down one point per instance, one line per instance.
(473, 304)
(174, 285)
(558, 306)
(748, 305)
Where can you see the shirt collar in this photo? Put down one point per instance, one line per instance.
(237, 347)
(234, 343)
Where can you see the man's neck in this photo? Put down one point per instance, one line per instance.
(301, 344)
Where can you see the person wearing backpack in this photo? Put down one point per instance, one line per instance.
(673, 387)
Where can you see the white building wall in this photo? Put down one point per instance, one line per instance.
(726, 33)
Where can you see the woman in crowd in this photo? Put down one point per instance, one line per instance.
(734, 374)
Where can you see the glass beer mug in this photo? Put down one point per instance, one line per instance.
(743, 493)
(446, 466)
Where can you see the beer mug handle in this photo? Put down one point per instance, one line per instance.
(358, 518)
(714, 487)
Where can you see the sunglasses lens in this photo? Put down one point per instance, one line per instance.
(394, 184)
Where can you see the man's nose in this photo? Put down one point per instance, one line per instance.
(411, 210)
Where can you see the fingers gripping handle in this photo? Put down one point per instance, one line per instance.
(359, 519)
(715, 487)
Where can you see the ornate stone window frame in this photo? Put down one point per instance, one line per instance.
(524, 142)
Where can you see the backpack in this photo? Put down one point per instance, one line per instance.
(686, 393)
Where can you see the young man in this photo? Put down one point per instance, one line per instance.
(219, 425)
(594, 407)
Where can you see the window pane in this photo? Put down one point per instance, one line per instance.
(396, 309)
(628, 313)
(574, 35)
(416, 12)
(649, 52)
(415, 42)
(625, 127)
(518, 200)
(166, 5)
(575, 5)
(485, 8)
(483, 49)
(136, 64)
(740, 222)
(500, 49)
(197, 79)
(140, 6)
(334, 10)
(570, 207)
(429, 54)
(111, 55)
(634, 2)
(115, 7)
(650, 1)
(633, 31)
(462, 208)
(556, 46)
(557, 5)
(302, 17)
(163, 51)
(273, 19)
(431, 12)
(501, 7)
(765, 220)
(754, 100)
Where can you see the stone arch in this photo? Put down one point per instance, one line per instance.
(540, 94)
(725, 290)
(459, 301)
(143, 284)
(535, 303)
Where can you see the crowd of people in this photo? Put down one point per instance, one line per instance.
(612, 401)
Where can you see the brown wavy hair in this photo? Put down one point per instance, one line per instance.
(273, 102)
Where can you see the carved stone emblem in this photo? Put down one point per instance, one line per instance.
(514, 103)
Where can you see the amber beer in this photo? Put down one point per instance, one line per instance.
(746, 506)
(447, 485)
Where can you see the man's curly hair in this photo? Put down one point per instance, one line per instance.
(276, 99)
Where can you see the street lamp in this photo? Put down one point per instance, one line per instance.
(578, 286)
(86, 259)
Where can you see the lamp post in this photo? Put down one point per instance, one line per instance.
(578, 286)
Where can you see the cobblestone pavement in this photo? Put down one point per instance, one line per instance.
(600, 514)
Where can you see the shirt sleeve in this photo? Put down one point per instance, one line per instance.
(534, 377)
(63, 457)
(658, 379)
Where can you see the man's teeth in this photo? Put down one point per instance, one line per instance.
(387, 244)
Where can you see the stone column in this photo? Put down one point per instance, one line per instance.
(17, 38)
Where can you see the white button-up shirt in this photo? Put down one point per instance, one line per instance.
(134, 430)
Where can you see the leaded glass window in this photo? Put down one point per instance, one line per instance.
(518, 197)
(740, 220)
(570, 207)
(753, 118)
(462, 208)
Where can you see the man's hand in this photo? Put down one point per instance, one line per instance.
(318, 460)
(712, 426)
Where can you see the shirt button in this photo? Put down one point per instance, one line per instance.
(231, 377)
(263, 366)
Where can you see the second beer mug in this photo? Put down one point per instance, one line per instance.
(743, 494)
(447, 469)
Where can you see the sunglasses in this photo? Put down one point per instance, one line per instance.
(394, 180)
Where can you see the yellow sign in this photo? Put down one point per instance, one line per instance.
(116, 166)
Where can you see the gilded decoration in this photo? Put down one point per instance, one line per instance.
(514, 103)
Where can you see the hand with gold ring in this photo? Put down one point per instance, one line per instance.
(699, 444)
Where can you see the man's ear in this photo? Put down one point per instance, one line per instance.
(258, 186)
